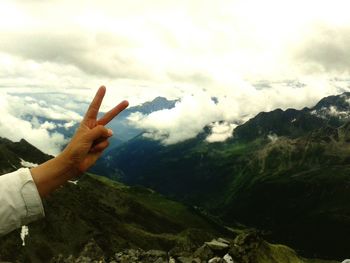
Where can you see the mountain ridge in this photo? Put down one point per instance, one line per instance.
(301, 147)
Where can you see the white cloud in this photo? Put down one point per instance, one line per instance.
(242, 52)
(234, 105)
(19, 107)
(184, 121)
(13, 127)
(221, 131)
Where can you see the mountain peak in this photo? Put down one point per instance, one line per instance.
(341, 102)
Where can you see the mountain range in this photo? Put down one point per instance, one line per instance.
(95, 219)
(285, 172)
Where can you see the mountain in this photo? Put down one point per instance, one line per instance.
(121, 125)
(158, 103)
(114, 215)
(14, 155)
(98, 220)
(283, 172)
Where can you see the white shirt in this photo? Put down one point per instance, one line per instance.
(20, 202)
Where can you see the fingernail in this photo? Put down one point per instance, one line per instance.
(110, 132)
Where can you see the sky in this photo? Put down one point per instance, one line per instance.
(252, 55)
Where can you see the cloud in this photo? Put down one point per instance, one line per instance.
(182, 122)
(100, 54)
(326, 50)
(16, 106)
(232, 106)
(15, 126)
(220, 131)
(250, 59)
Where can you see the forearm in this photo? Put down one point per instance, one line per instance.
(52, 174)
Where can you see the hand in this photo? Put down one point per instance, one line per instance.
(91, 138)
(86, 146)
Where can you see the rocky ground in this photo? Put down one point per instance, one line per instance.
(247, 247)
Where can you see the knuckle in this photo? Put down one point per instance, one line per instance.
(101, 128)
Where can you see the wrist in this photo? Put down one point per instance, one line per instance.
(68, 165)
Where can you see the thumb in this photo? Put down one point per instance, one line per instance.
(98, 132)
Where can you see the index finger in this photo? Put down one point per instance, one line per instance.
(113, 112)
(95, 104)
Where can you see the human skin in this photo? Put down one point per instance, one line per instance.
(86, 146)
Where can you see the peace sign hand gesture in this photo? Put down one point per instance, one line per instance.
(91, 138)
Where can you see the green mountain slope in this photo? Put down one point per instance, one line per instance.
(95, 218)
(114, 215)
(284, 172)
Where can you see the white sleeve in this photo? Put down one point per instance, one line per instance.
(20, 202)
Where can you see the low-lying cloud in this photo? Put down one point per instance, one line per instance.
(20, 121)
(229, 108)
(220, 131)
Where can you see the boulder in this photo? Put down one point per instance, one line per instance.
(228, 259)
(222, 240)
(204, 253)
(219, 248)
(153, 255)
(216, 260)
(92, 251)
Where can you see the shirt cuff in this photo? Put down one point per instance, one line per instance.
(31, 197)
(20, 200)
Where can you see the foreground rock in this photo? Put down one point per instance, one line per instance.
(247, 247)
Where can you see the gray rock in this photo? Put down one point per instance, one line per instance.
(204, 253)
(217, 247)
(228, 259)
(83, 259)
(222, 240)
(92, 251)
(152, 256)
(176, 252)
(216, 260)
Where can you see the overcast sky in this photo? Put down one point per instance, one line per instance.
(253, 55)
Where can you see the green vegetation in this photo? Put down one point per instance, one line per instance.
(114, 215)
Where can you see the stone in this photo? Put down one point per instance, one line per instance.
(153, 255)
(216, 260)
(92, 251)
(176, 252)
(222, 240)
(204, 253)
(217, 246)
(228, 259)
